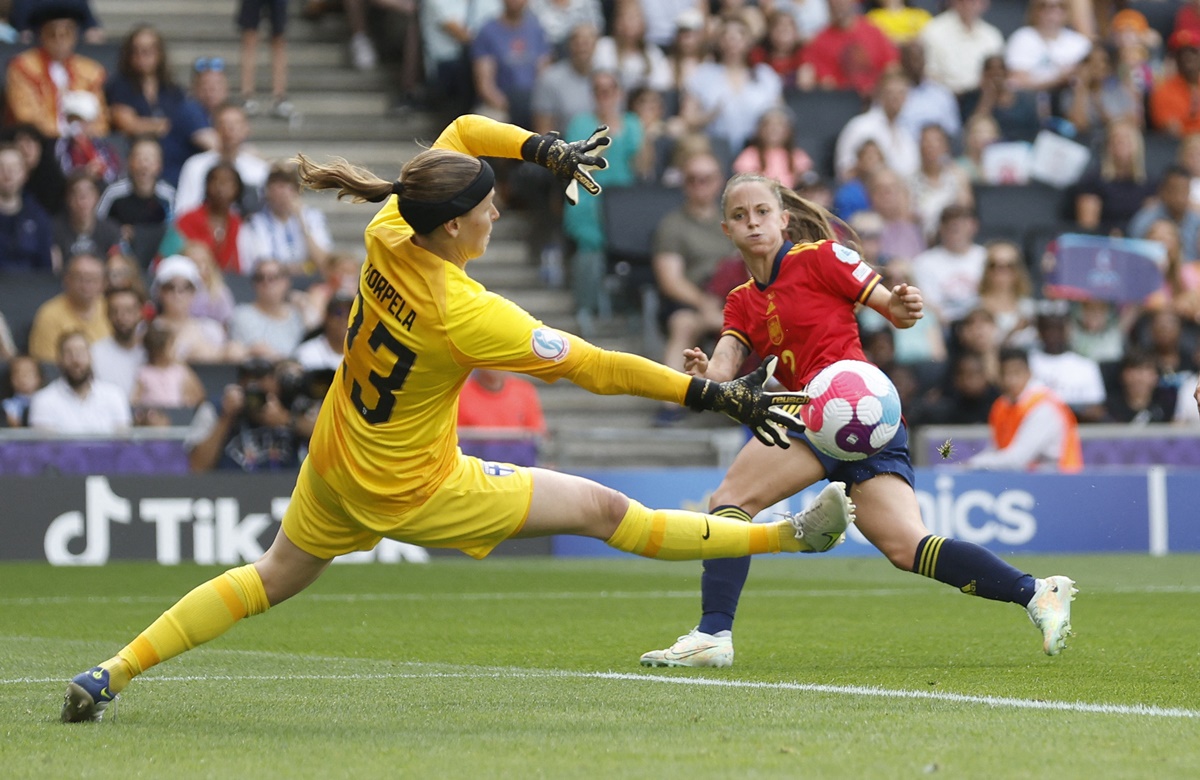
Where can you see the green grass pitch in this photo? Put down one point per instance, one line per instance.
(528, 668)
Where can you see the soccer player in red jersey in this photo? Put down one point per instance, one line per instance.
(799, 307)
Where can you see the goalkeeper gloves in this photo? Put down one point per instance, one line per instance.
(572, 162)
(743, 399)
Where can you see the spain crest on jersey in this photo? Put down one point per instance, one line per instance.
(775, 330)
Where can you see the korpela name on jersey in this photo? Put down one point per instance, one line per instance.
(388, 296)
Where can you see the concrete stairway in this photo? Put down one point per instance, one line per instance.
(343, 112)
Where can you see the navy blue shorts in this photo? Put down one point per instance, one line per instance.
(893, 459)
(251, 13)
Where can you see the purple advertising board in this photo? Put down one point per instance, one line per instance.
(1159, 444)
(1102, 268)
(1183, 509)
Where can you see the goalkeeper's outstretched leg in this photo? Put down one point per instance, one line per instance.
(565, 504)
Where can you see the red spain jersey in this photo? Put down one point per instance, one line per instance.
(804, 314)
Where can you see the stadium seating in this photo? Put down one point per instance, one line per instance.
(664, 152)
(631, 215)
(214, 377)
(242, 287)
(820, 117)
(1024, 214)
(1007, 15)
(1032, 216)
(1161, 150)
(20, 296)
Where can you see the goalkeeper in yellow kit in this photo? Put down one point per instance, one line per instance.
(384, 458)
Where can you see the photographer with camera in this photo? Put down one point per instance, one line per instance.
(264, 421)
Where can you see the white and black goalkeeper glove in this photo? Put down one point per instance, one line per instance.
(571, 161)
(743, 399)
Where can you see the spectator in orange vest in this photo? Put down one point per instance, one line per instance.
(1173, 102)
(493, 400)
(496, 399)
(1031, 427)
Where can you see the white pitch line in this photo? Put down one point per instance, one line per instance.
(616, 595)
(1138, 710)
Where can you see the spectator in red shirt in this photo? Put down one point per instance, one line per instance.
(1175, 101)
(851, 53)
(214, 223)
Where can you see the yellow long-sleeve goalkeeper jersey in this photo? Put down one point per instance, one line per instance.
(386, 438)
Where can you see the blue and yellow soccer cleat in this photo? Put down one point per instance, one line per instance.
(822, 525)
(87, 697)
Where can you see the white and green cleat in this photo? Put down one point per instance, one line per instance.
(1050, 611)
(695, 648)
(822, 526)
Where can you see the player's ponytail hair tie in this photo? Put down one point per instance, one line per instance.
(381, 191)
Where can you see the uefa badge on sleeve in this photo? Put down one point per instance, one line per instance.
(846, 254)
(549, 344)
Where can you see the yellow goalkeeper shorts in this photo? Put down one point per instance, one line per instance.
(478, 506)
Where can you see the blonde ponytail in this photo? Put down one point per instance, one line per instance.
(351, 181)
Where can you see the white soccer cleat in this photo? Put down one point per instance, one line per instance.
(822, 526)
(1050, 611)
(695, 648)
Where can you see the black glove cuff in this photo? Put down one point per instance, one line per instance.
(700, 394)
(536, 148)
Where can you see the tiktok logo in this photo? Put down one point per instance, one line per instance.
(220, 534)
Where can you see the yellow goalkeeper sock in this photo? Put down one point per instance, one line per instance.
(677, 535)
(205, 613)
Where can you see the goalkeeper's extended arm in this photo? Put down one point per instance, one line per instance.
(608, 373)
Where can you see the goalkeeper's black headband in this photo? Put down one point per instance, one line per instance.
(425, 217)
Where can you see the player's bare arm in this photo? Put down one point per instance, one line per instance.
(902, 305)
(727, 358)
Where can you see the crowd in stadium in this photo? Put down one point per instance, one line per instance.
(170, 243)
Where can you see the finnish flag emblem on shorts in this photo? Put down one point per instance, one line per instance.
(549, 344)
(497, 469)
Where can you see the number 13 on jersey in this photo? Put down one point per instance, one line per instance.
(380, 348)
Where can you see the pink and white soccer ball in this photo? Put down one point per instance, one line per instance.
(854, 410)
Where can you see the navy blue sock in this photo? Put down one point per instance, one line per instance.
(722, 582)
(972, 569)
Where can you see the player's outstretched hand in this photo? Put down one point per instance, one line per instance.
(571, 161)
(906, 305)
(695, 362)
(743, 399)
